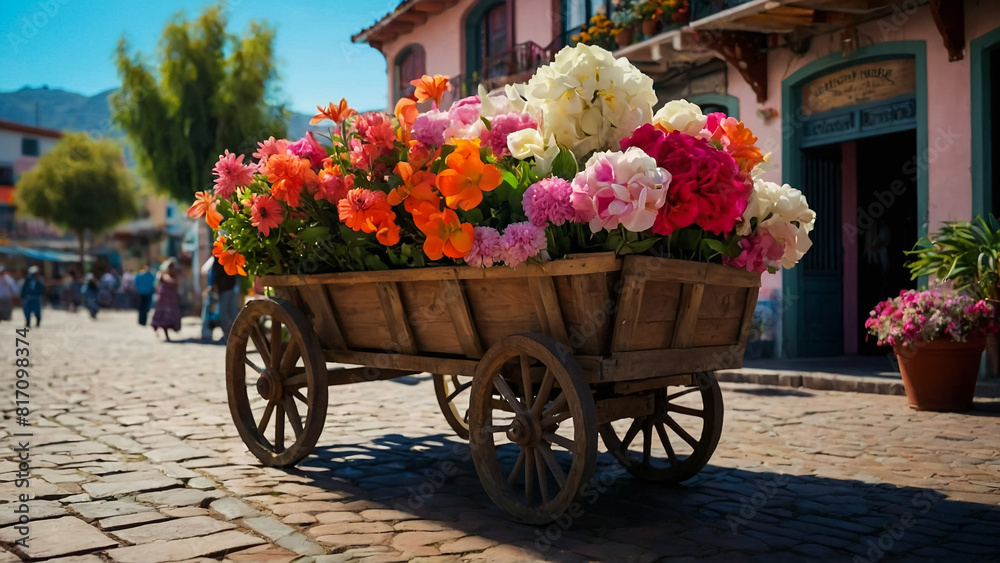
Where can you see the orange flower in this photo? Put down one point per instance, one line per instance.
(447, 236)
(431, 88)
(336, 114)
(231, 260)
(289, 173)
(364, 210)
(467, 177)
(419, 154)
(739, 142)
(205, 203)
(417, 187)
(421, 211)
(406, 113)
(388, 233)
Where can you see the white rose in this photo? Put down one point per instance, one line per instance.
(680, 115)
(795, 240)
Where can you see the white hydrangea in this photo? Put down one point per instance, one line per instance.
(586, 99)
(778, 202)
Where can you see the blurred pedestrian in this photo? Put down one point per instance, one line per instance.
(168, 307)
(109, 288)
(32, 293)
(227, 288)
(91, 295)
(8, 289)
(144, 282)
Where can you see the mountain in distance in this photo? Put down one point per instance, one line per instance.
(57, 109)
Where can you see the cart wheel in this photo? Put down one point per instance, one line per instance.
(532, 427)
(687, 429)
(274, 339)
(452, 394)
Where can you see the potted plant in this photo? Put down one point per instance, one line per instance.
(648, 12)
(602, 32)
(938, 338)
(623, 18)
(967, 254)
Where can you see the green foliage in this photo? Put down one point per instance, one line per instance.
(209, 93)
(81, 185)
(964, 253)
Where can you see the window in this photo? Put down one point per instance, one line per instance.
(576, 15)
(410, 65)
(488, 37)
(29, 147)
(6, 175)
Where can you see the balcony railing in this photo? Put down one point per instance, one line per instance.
(514, 65)
(704, 8)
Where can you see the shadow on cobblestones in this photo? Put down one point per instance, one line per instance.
(723, 511)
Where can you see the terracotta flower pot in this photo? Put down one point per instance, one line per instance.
(625, 36)
(940, 375)
(649, 28)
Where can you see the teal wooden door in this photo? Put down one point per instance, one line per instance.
(822, 317)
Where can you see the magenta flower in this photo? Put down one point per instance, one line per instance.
(620, 188)
(486, 250)
(429, 127)
(502, 126)
(309, 147)
(760, 250)
(548, 201)
(465, 111)
(521, 241)
(232, 174)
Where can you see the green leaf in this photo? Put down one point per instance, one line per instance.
(314, 234)
(716, 246)
(565, 166)
(373, 262)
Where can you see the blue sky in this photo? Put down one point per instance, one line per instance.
(69, 44)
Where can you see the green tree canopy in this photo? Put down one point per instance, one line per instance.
(208, 92)
(81, 185)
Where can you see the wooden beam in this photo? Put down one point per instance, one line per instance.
(388, 360)
(949, 16)
(414, 17)
(744, 50)
(543, 291)
(629, 301)
(617, 408)
(395, 317)
(687, 314)
(453, 294)
(320, 310)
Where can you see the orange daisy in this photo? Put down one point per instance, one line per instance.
(205, 203)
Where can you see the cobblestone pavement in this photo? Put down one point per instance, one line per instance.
(134, 458)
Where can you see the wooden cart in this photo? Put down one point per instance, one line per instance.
(530, 364)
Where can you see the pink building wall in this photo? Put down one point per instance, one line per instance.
(947, 155)
(443, 40)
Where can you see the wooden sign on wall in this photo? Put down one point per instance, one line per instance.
(859, 84)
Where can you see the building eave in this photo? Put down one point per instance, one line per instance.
(402, 20)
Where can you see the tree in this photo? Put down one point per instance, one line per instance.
(209, 93)
(81, 185)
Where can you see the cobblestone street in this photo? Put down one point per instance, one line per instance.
(134, 458)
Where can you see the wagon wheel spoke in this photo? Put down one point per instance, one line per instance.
(681, 393)
(290, 357)
(681, 432)
(557, 439)
(275, 343)
(298, 395)
(555, 407)
(458, 391)
(279, 428)
(700, 413)
(553, 421)
(517, 468)
(665, 440)
(552, 463)
(266, 417)
(526, 380)
(260, 342)
(529, 475)
(543, 478)
(253, 366)
(647, 443)
(501, 384)
(548, 380)
(293, 416)
(630, 434)
(497, 429)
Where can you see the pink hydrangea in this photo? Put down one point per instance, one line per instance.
(429, 127)
(502, 126)
(269, 147)
(760, 250)
(486, 250)
(232, 174)
(620, 188)
(309, 147)
(548, 201)
(521, 241)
